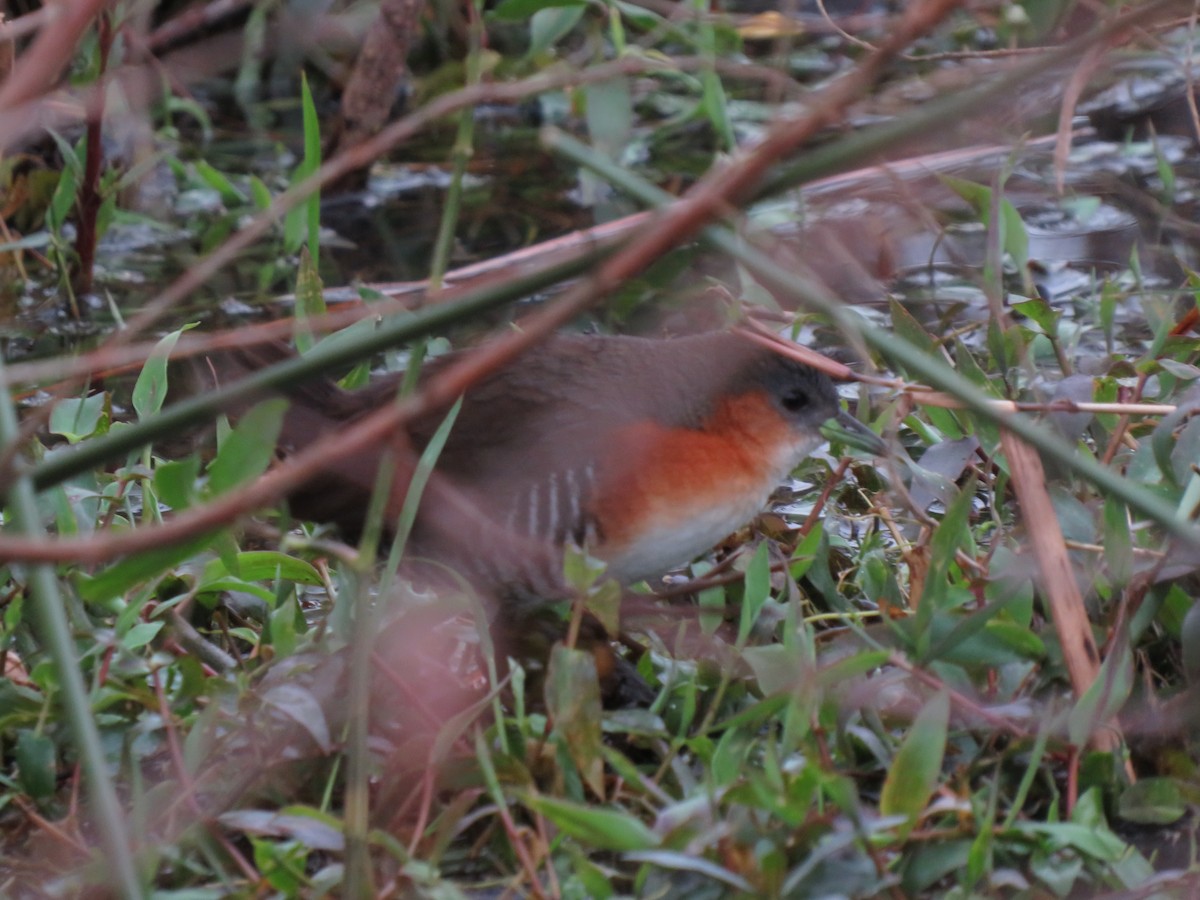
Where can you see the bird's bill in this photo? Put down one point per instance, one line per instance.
(845, 429)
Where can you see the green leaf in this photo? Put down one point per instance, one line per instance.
(604, 602)
(756, 593)
(729, 758)
(914, 772)
(1041, 313)
(220, 183)
(227, 550)
(1184, 455)
(969, 368)
(1000, 643)
(909, 329)
(62, 201)
(950, 534)
(715, 106)
(776, 667)
(573, 702)
(260, 565)
(696, 865)
(175, 481)
(638, 17)
(286, 621)
(131, 614)
(1162, 442)
(603, 829)
(853, 667)
(266, 595)
(281, 864)
(711, 598)
(1110, 294)
(310, 299)
(416, 486)
(1014, 239)
(1166, 175)
(925, 865)
(302, 223)
(35, 757)
(35, 241)
(1118, 545)
(1097, 842)
(140, 634)
(312, 162)
(548, 26)
(248, 449)
(105, 215)
(1153, 801)
(806, 552)
(298, 704)
(580, 570)
(610, 115)
(311, 827)
(520, 10)
(260, 194)
(76, 418)
(1104, 699)
(593, 879)
(118, 579)
(1189, 640)
(151, 388)
(958, 638)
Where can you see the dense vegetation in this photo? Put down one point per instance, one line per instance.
(966, 668)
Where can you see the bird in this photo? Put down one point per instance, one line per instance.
(644, 452)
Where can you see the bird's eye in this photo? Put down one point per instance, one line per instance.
(795, 401)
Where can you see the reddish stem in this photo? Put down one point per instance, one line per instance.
(89, 191)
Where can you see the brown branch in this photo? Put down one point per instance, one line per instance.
(39, 67)
(90, 199)
(959, 699)
(15, 29)
(192, 20)
(1058, 584)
